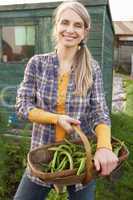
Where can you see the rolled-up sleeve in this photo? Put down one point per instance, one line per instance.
(98, 112)
(25, 99)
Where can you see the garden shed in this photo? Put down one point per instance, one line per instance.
(123, 56)
(25, 30)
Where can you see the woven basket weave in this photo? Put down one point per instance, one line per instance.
(67, 177)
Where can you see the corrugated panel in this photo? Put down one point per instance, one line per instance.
(123, 27)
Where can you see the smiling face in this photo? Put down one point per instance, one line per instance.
(70, 29)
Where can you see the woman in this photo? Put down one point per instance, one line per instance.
(64, 88)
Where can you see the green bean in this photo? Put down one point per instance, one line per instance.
(53, 195)
(65, 146)
(81, 167)
(53, 148)
(58, 149)
(62, 164)
(62, 146)
(72, 145)
(54, 162)
(69, 158)
(78, 154)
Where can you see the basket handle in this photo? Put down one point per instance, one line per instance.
(89, 163)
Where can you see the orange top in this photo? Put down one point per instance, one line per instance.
(102, 131)
(61, 97)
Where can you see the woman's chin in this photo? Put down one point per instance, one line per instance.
(69, 45)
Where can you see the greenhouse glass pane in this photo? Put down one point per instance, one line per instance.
(18, 43)
(20, 35)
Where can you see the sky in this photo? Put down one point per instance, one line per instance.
(121, 10)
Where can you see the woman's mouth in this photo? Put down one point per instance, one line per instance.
(69, 37)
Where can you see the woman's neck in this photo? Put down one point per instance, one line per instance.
(66, 56)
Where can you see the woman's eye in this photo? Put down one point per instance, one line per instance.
(78, 25)
(64, 22)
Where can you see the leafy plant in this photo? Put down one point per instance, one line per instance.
(12, 164)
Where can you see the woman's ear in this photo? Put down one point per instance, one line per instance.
(86, 32)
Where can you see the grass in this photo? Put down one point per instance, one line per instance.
(129, 91)
(121, 185)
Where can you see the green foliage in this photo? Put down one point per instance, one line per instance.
(12, 164)
(129, 91)
(121, 184)
(53, 195)
(3, 118)
(122, 70)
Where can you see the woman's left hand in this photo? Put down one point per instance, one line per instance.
(105, 161)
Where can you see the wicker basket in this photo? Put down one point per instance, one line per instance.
(67, 177)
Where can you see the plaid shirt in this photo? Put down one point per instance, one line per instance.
(39, 89)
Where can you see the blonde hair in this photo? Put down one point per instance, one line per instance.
(82, 61)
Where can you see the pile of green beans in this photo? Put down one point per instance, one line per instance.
(66, 156)
(72, 156)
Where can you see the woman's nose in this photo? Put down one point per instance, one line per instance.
(70, 29)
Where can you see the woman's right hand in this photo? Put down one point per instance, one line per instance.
(66, 122)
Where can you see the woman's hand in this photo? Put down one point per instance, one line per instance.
(105, 161)
(65, 122)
